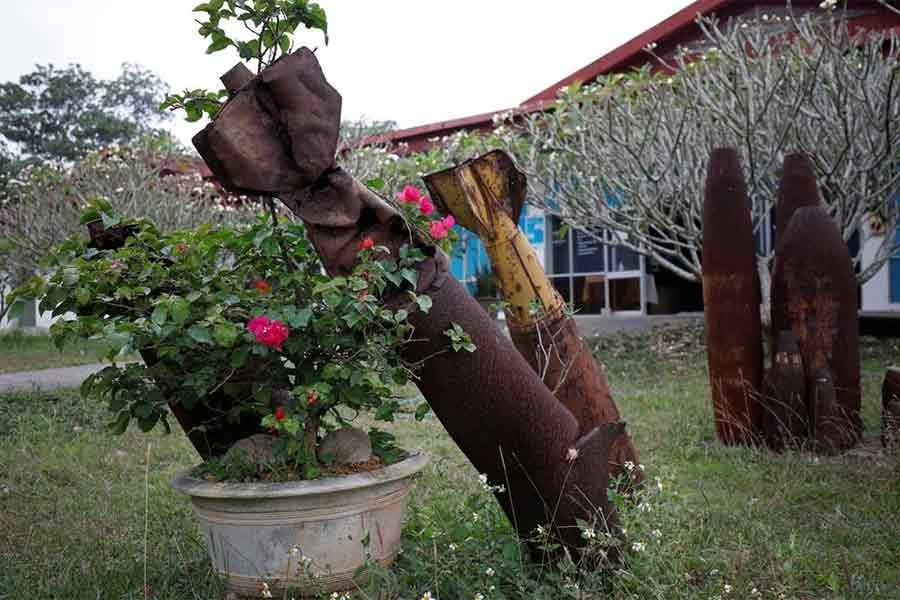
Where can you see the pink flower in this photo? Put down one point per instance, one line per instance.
(426, 207)
(448, 222)
(410, 194)
(366, 244)
(438, 231)
(280, 414)
(268, 332)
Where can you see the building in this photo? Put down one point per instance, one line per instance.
(600, 279)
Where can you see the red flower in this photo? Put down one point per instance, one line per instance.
(410, 194)
(268, 332)
(280, 414)
(438, 231)
(263, 286)
(366, 244)
(311, 397)
(426, 207)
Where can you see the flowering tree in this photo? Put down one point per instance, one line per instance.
(41, 207)
(628, 154)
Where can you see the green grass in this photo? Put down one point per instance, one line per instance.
(718, 523)
(24, 352)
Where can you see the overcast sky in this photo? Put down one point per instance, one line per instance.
(412, 61)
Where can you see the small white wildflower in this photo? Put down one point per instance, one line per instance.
(478, 596)
(727, 589)
(489, 572)
(641, 467)
(754, 592)
(452, 547)
(638, 546)
(541, 530)
(572, 454)
(656, 533)
(588, 534)
(295, 550)
(475, 516)
(659, 485)
(644, 507)
(264, 592)
(427, 596)
(492, 588)
(629, 466)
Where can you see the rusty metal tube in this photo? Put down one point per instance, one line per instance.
(731, 298)
(486, 195)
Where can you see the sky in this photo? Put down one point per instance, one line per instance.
(411, 61)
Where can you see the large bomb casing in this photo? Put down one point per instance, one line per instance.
(797, 189)
(785, 416)
(890, 410)
(731, 297)
(486, 195)
(494, 406)
(814, 295)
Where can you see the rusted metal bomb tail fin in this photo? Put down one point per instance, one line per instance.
(731, 298)
(486, 195)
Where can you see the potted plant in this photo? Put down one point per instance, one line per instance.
(242, 326)
(486, 291)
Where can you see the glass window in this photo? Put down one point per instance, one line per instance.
(587, 253)
(625, 294)
(560, 247)
(623, 259)
(589, 293)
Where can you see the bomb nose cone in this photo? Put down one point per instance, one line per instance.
(797, 190)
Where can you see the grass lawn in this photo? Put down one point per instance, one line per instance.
(22, 352)
(717, 523)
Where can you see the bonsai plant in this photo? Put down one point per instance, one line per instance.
(242, 326)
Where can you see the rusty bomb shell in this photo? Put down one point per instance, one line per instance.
(731, 297)
(797, 189)
(814, 295)
(486, 195)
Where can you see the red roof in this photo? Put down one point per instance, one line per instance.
(678, 30)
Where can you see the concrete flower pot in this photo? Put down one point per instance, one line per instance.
(307, 535)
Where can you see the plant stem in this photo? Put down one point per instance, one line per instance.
(310, 430)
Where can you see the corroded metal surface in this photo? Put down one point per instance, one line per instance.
(486, 196)
(797, 189)
(785, 415)
(731, 297)
(890, 410)
(814, 295)
(492, 403)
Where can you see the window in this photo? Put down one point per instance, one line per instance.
(591, 275)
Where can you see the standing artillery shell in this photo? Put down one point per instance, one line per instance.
(797, 189)
(731, 299)
(814, 295)
(784, 400)
(890, 410)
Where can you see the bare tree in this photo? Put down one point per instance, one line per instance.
(628, 154)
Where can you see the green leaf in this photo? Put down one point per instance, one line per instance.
(160, 314)
(200, 334)
(410, 275)
(422, 410)
(119, 426)
(82, 296)
(225, 334)
(239, 358)
(424, 303)
(180, 310)
(376, 184)
(284, 42)
(219, 43)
